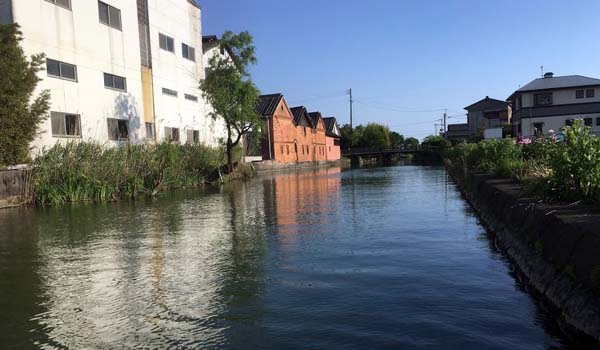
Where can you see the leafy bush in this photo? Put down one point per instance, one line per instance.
(90, 172)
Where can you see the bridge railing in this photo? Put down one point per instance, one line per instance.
(357, 151)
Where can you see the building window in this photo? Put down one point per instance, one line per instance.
(193, 136)
(589, 93)
(281, 149)
(166, 43)
(62, 3)
(598, 121)
(109, 15)
(61, 70)
(188, 52)
(118, 129)
(337, 142)
(169, 92)
(588, 121)
(150, 131)
(287, 149)
(116, 82)
(568, 122)
(519, 102)
(544, 99)
(191, 97)
(172, 134)
(65, 124)
(579, 93)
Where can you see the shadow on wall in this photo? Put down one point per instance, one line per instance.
(126, 107)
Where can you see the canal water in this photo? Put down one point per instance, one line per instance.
(383, 258)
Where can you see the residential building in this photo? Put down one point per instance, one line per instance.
(457, 132)
(486, 117)
(333, 137)
(292, 135)
(550, 103)
(118, 70)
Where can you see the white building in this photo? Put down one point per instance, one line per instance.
(118, 70)
(550, 103)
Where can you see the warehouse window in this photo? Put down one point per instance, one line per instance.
(191, 97)
(65, 124)
(118, 129)
(172, 134)
(188, 52)
(109, 15)
(169, 92)
(150, 131)
(589, 93)
(115, 82)
(61, 70)
(193, 136)
(166, 42)
(62, 3)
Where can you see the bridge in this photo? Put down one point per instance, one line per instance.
(384, 154)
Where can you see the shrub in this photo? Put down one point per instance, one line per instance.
(90, 172)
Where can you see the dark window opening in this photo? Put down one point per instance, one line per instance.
(589, 93)
(109, 15)
(118, 129)
(191, 97)
(61, 69)
(65, 124)
(598, 121)
(193, 136)
(172, 134)
(579, 93)
(116, 82)
(544, 99)
(166, 43)
(588, 121)
(62, 3)
(188, 52)
(169, 92)
(150, 131)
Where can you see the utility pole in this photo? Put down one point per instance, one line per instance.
(351, 102)
(445, 120)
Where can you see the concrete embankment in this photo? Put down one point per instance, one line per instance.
(556, 246)
(270, 166)
(15, 187)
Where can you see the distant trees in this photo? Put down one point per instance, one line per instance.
(411, 142)
(20, 112)
(373, 135)
(396, 139)
(436, 141)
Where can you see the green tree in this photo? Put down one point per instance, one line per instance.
(348, 136)
(20, 113)
(375, 135)
(230, 91)
(396, 139)
(411, 142)
(436, 141)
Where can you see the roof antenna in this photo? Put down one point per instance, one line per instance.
(542, 68)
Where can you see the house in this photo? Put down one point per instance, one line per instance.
(457, 132)
(319, 138)
(486, 117)
(304, 134)
(549, 103)
(333, 137)
(118, 71)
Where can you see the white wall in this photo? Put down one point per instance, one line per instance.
(77, 37)
(555, 123)
(563, 96)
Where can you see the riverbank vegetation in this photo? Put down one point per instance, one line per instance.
(91, 172)
(568, 171)
(373, 135)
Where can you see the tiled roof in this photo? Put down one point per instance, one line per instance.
(488, 105)
(267, 104)
(331, 127)
(566, 81)
(314, 118)
(300, 112)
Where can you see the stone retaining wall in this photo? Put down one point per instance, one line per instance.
(15, 187)
(556, 246)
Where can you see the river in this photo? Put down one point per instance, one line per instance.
(381, 258)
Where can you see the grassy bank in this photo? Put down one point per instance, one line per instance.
(568, 170)
(90, 172)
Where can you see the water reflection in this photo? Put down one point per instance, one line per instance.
(371, 258)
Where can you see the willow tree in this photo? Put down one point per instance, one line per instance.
(20, 112)
(229, 89)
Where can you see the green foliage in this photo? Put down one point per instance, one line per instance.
(436, 141)
(229, 90)
(375, 135)
(575, 164)
(20, 113)
(90, 172)
(396, 139)
(411, 142)
(567, 170)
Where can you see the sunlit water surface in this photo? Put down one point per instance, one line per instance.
(386, 258)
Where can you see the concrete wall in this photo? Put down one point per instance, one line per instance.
(333, 152)
(14, 187)
(554, 123)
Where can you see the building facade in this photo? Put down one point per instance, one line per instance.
(292, 135)
(117, 70)
(550, 103)
(332, 139)
(486, 117)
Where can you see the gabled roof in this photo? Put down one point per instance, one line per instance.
(301, 116)
(314, 118)
(267, 104)
(552, 82)
(331, 127)
(193, 2)
(488, 105)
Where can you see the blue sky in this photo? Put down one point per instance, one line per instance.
(407, 60)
